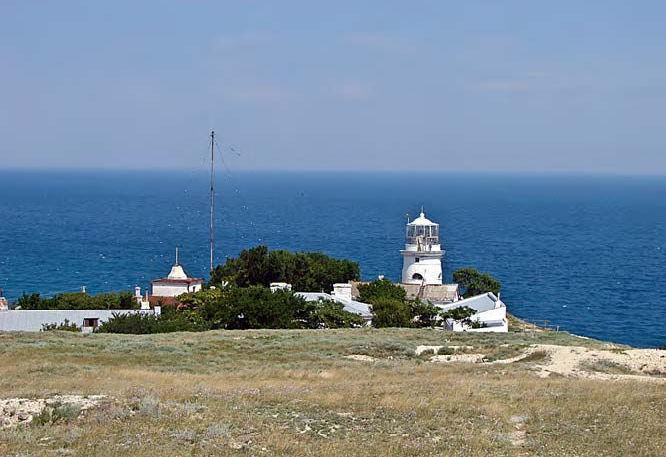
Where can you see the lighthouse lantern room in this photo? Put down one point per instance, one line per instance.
(422, 256)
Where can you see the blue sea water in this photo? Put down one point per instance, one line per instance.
(587, 253)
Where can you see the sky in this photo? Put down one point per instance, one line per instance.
(517, 86)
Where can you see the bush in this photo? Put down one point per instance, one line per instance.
(56, 413)
(141, 323)
(331, 314)
(381, 289)
(475, 283)
(64, 326)
(257, 307)
(463, 314)
(390, 307)
(79, 300)
(388, 312)
(423, 314)
(305, 271)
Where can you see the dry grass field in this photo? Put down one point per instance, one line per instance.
(296, 393)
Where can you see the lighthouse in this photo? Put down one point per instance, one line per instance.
(422, 256)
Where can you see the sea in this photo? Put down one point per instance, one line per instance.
(586, 253)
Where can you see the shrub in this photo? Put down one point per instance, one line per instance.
(460, 313)
(388, 312)
(56, 413)
(258, 307)
(381, 289)
(141, 323)
(473, 282)
(305, 271)
(79, 300)
(390, 307)
(464, 315)
(64, 326)
(331, 314)
(423, 314)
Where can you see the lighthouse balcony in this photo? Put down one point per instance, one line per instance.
(420, 248)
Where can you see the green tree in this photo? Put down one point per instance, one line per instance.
(389, 312)
(305, 271)
(79, 300)
(391, 308)
(423, 314)
(474, 283)
(463, 314)
(139, 323)
(332, 314)
(251, 307)
(257, 307)
(380, 289)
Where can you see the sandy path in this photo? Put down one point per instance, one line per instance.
(646, 364)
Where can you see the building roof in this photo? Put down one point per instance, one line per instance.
(435, 293)
(176, 281)
(177, 275)
(351, 306)
(422, 220)
(177, 272)
(479, 303)
(154, 300)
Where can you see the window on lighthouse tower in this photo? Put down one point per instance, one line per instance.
(417, 276)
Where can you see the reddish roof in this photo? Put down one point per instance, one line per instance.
(162, 301)
(176, 281)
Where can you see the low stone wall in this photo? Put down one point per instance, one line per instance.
(29, 320)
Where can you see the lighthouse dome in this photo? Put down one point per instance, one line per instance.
(177, 272)
(422, 220)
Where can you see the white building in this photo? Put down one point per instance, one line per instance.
(490, 314)
(4, 304)
(422, 256)
(341, 293)
(176, 283)
(33, 320)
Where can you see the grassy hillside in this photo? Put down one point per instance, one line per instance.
(296, 393)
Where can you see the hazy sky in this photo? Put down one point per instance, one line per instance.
(489, 85)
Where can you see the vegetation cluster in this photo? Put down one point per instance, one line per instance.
(305, 271)
(237, 308)
(78, 300)
(238, 297)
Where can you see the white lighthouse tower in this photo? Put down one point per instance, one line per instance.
(422, 256)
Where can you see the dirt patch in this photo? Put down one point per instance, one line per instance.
(453, 358)
(437, 349)
(360, 357)
(15, 411)
(578, 361)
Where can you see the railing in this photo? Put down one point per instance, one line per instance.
(423, 240)
(537, 325)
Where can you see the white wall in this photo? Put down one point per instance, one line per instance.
(29, 320)
(174, 290)
(428, 266)
(493, 315)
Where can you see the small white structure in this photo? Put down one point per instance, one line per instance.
(4, 304)
(422, 256)
(33, 320)
(490, 314)
(176, 283)
(280, 286)
(141, 301)
(342, 291)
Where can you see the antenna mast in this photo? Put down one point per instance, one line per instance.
(212, 193)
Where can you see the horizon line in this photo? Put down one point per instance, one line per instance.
(343, 170)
